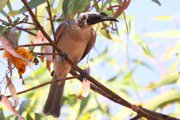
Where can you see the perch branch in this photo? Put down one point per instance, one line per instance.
(30, 45)
(113, 96)
(41, 85)
(51, 19)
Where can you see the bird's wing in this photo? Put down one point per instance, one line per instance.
(90, 44)
(59, 31)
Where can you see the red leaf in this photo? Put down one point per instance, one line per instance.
(12, 37)
(48, 49)
(48, 65)
(120, 7)
(39, 38)
(4, 100)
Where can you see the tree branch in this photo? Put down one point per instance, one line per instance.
(109, 94)
(41, 85)
(30, 45)
(50, 17)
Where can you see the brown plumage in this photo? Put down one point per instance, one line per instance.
(76, 38)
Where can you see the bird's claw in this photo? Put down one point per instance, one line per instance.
(62, 57)
(85, 73)
(52, 73)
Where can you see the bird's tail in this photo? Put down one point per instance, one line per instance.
(54, 101)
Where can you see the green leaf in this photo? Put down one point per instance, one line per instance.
(113, 78)
(9, 6)
(2, 117)
(167, 79)
(144, 64)
(3, 13)
(105, 33)
(10, 117)
(177, 108)
(165, 98)
(38, 116)
(143, 45)
(28, 117)
(84, 6)
(124, 113)
(23, 107)
(32, 4)
(73, 7)
(157, 1)
(83, 104)
(65, 7)
(70, 99)
(2, 4)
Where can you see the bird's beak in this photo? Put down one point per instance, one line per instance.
(96, 18)
(108, 18)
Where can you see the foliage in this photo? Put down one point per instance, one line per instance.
(107, 62)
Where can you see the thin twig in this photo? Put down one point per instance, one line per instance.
(23, 22)
(37, 53)
(137, 109)
(41, 85)
(95, 3)
(68, 60)
(127, 33)
(30, 45)
(50, 17)
(19, 28)
(26, 30)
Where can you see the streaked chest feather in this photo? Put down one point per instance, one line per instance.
(78, 34)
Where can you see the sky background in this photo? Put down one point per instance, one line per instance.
(144, 16)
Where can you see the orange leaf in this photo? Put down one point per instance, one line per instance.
(10, 47)
(121, 8)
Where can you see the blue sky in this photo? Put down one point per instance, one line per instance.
(144, 13)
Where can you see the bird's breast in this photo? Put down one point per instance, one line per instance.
(73, 42)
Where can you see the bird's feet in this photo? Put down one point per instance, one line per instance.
(62, 57)
(85, 73)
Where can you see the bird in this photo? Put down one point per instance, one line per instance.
(76, 38)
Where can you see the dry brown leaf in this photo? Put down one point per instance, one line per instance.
(121, 8)
(12, 90)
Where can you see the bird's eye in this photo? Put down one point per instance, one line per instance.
(104, 14)
(84, 17)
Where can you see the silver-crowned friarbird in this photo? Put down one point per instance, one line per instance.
(76, 38)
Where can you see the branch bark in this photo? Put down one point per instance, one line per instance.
(41, 85)
(108, 93)
(50, 17)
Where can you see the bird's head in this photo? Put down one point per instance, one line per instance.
(89, 18)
